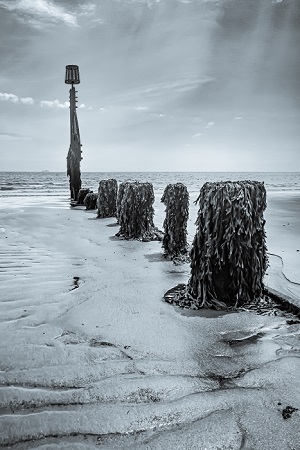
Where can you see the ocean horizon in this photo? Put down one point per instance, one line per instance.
(14, 184)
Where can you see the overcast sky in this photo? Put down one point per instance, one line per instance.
(166, 85)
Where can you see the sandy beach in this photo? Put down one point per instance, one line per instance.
(92, 357)
(93, 353)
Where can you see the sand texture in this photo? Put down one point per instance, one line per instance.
(93, 358)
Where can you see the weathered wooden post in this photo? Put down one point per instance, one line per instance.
(83, 192)
(229, 254)
(107, 198)
(176, 199)
(90, 200)
(136, 212)
(74, 153)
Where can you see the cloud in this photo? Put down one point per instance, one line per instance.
(210, 124)
(54, 104)
(9, 97)
(15, 99)
(87, 9)
(57, 104)
(27, 100)
(39, 11)
(12, 136)
(197, 135)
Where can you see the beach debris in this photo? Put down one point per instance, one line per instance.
(176, 199)
(228, 254)
(74, 154)
(292, 322)
(288, 411)
(75, 283)
(144, 395)
(81, 195)
(94, 342)
(90, 200)
(136, 212)
(107, 198)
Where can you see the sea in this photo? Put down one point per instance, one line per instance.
(53, 184)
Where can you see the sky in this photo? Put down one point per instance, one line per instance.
(166, 85)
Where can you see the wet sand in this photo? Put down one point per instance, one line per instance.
(91, 356)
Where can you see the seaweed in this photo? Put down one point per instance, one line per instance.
(107, 198)
(176, 199)
(135, 212)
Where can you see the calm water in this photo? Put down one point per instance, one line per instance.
(14, 184)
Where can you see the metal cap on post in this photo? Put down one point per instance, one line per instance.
(72, 75)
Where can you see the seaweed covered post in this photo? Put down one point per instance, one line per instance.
(229, 253)
(176, 199)
(81, 195)
(74, 153)
(136, 212)
(90, 200)
(107, 198)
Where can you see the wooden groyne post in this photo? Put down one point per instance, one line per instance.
(107, 198)
(229, 253)
(176, 199)
(135, 212)
(74, 153)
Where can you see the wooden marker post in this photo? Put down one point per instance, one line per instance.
(74, 153)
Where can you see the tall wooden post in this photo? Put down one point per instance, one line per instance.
(74, 153)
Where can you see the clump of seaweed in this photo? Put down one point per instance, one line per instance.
(90, 201)
(136, 212)
(229, 253)
(107, 198)
(176, 199)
